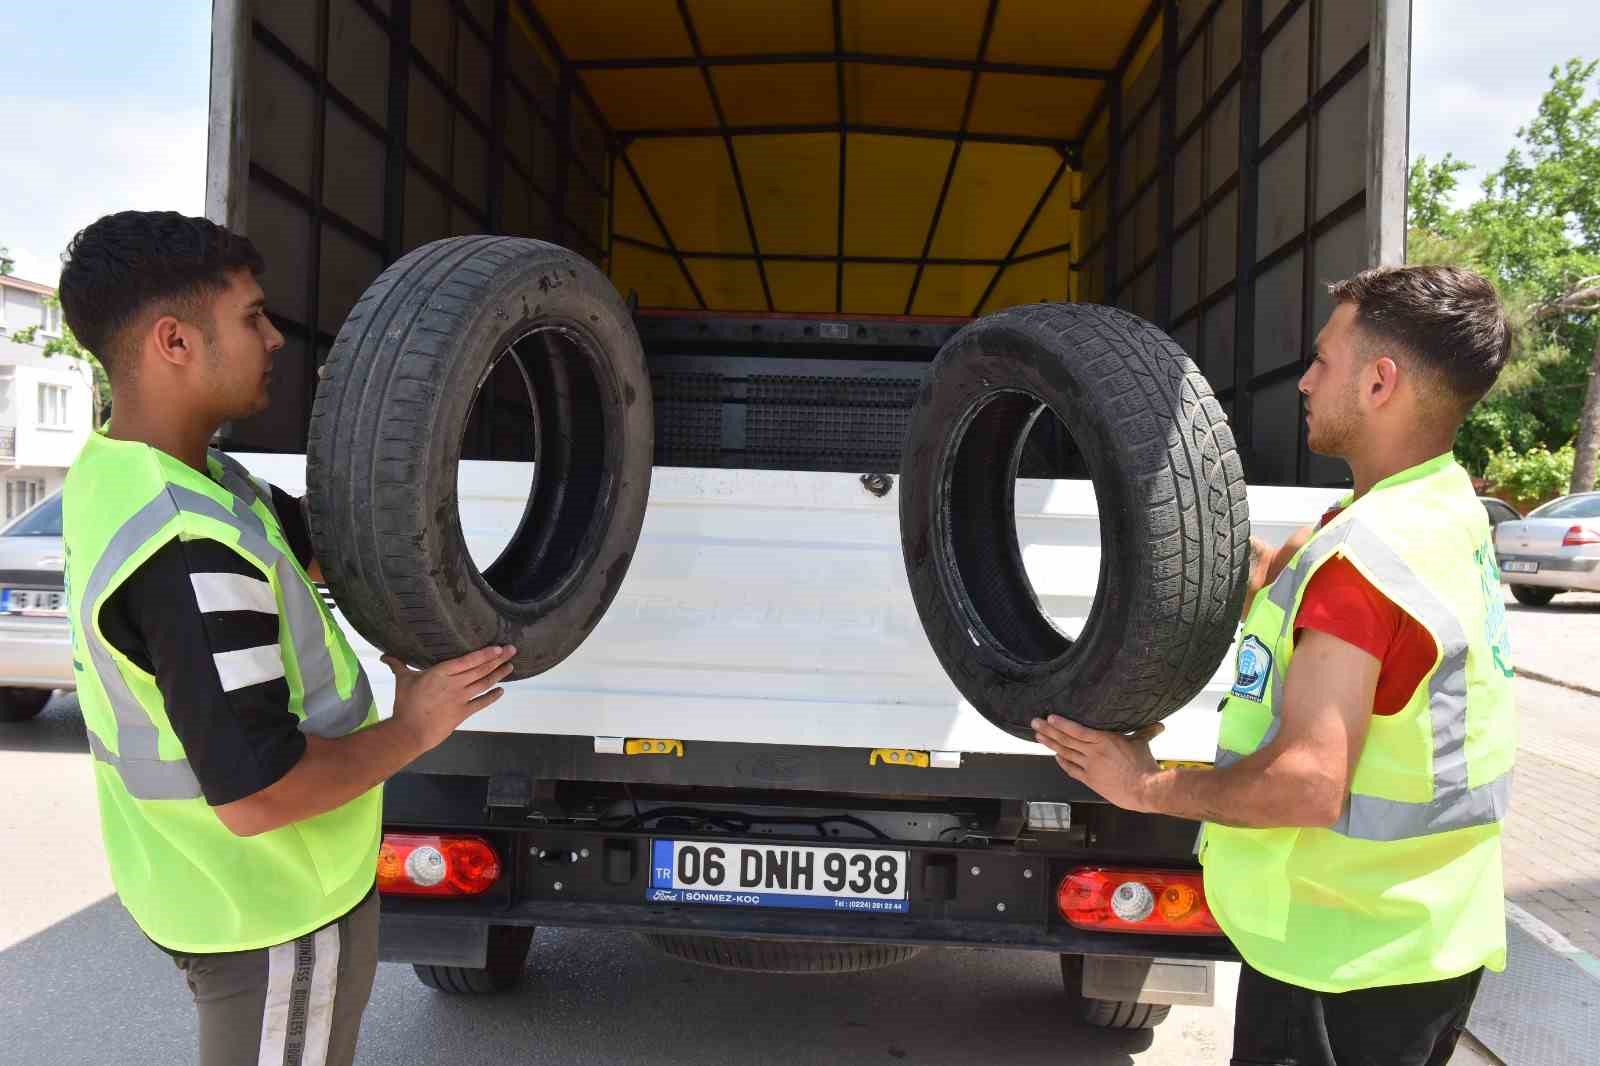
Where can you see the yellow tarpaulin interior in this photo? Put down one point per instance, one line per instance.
(868, 156)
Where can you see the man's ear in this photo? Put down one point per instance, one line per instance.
(174, 340)
(1380, 380)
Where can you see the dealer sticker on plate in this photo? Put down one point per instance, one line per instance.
(862, 880)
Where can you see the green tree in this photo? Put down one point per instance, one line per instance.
(1536, 233)
(7, 264)
(66, 344)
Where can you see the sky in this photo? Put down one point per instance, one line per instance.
(104, 106)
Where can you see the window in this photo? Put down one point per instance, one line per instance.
(1582, 506)
(52, 319)
(53, 409)
(1499, 512)
(21, 494)
(45, 522)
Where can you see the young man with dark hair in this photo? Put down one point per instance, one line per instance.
(1352, 836)
(237, 749)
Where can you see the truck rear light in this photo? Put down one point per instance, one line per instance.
(416, 864)
(1578, 535)
(1136, 901)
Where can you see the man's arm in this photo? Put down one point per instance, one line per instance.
(1299, 778)
(428, 705)
(1267, 562)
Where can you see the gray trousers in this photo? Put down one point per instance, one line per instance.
(294, 1004)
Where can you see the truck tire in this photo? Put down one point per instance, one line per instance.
(385, 441)
(1106, 1013)
(1533, 595)
(21, 704)
(780, 956)
(1174, 521)
(503, 969)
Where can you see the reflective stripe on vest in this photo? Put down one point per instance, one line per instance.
(145, 775)
(1455, 804)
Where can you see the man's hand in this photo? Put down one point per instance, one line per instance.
(1116, 765)
(431, 703)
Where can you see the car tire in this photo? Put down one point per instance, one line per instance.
(22, 704)
(1174, 520)
(1106, 1013)
(1533, 595)
(503, 969)
(386, 439)
(780, 956)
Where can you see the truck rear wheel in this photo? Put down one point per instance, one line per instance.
(387, 433)
(503, 969)
(21, 704)
(1169, 486)
(1106, 1013)
(780, 956)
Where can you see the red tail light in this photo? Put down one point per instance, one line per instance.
(427, 865)
(1578, 535)
(1136, 901)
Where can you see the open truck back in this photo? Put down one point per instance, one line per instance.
(804, 200)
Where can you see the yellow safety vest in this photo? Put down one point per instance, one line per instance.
(1407, 886)
(189, 882)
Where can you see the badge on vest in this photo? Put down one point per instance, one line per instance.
(1254, 670)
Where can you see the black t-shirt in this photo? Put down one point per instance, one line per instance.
(202, 620)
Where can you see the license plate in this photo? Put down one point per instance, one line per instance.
(861, 880)
(32, 601)
(1519, 566)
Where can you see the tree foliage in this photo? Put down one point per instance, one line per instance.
(7, 264)
(1536, 232)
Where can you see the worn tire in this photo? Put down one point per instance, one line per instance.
(506, 963)
(780, 956)
(1174, 522)
(385, 442)
(1533, 595)
(22, 704)
(1106, 1013)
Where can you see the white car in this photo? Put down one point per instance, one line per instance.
(1556, 548)
(35, 639)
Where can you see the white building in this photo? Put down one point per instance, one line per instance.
(46, 404)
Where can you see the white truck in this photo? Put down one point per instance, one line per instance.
(750, 749)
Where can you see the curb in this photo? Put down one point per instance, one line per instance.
(1546, 679)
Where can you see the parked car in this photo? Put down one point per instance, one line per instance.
(1498, 511)
(1556, 548)
(35, 639)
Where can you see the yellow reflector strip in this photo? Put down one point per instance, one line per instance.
(653, 747)
(1183, 764)
(897, 757)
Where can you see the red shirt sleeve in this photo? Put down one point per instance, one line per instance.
(1341, 602)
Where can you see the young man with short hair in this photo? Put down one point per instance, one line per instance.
(1352, 837)
(237, 749)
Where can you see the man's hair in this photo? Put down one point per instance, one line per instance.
(122, 267)
(1447, 320)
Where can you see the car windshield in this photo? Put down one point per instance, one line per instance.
(43, 521)
(1586, 506)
